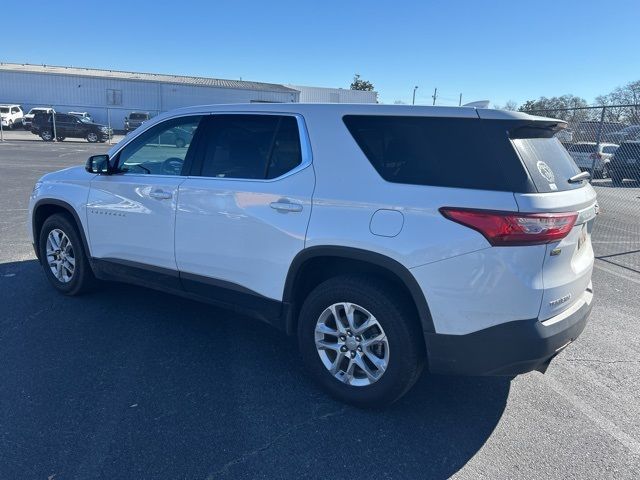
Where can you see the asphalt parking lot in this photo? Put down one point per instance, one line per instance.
(129, 383)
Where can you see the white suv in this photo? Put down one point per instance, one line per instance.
(387, 238)
(10, 115)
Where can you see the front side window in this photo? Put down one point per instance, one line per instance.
(251, 146)
(161, 150)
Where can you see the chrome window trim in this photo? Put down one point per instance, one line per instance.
(305, 144)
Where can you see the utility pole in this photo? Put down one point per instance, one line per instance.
(460, 101)
(435, 95)
(413, 102)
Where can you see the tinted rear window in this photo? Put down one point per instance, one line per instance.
(138, 116)
(548, 162)
(582, 148)
(444, 152)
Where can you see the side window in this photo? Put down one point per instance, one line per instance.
(251, 146)
(609, 149)
(162, 149)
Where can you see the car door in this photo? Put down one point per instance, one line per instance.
(243, 212)
(62, 125)
(131, 214)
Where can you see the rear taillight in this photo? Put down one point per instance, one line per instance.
(513, 228)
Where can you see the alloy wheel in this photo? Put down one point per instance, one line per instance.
(352, 344)
(60, 255)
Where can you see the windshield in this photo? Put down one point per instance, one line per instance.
(84, 119)
(138, 116)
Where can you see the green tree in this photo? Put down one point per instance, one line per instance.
(360, 84)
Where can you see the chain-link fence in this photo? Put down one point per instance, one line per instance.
(605, 141)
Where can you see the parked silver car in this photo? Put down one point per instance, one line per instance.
(589, 155)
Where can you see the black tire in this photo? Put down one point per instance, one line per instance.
(406, 344)
(180, 142)
(604, 173)
(61, 139)
(92, 137)
(46, 135)
(616, 179)
(82, 278)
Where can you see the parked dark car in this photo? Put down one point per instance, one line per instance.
(588, 131)
(632, 132)
(68, 126)
(625, 163)
(134, 120)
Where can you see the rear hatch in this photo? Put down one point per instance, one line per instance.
(567, 264)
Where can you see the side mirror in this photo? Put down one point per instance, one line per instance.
(98, 164)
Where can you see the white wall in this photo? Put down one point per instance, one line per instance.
(334, 95)
(89, 94)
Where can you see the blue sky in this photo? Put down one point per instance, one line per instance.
(496, 50)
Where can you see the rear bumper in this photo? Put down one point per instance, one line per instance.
(510, 348)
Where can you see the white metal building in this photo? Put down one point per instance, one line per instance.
(109, 95)
(334, 95)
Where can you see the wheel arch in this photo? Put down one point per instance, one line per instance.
(315, 264)
(46, 207)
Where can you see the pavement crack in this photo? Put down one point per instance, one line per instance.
(242, 458)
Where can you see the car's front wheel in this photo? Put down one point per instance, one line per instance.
(46, 135)
(63, 257)
(359, 340)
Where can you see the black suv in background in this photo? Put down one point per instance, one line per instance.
(68, 126)
(134, 120)
(625, 163)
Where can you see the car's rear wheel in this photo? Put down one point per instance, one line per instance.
(63, 257)
(92, 137)
(46, 135)
(180, 143)
(10, 124)
(616, 179)
(358, 339)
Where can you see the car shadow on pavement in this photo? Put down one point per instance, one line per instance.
(127, 382)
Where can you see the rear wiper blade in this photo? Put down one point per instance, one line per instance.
(579, 177)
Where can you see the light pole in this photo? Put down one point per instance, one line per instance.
(413, 102)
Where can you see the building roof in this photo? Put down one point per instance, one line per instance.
(146, 77)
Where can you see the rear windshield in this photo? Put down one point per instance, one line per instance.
(548, 163)
(463, 153)
(138, 116)
(582, 148)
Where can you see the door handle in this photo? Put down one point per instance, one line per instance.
(285, 206)
(160, 194)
